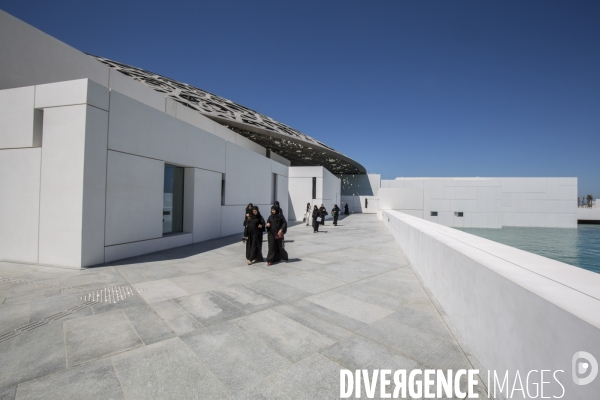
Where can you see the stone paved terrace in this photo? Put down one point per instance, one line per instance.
(207, 326)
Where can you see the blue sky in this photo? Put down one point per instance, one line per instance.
(407, 88)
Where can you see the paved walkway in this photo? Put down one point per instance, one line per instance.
(198, 323)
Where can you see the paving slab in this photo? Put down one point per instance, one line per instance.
(284, 335)
(346, 299)
(160, 290)
(209, 309)
(315, 377)
(14, 316)
(32, 354)
(8, 392)
(166, 370)
(98, 336)
(147, 324)
(246, 298)
(239, 360)
(178, 320)
(350, 307)
(95, 380)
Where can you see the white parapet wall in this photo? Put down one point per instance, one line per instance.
(516, 311)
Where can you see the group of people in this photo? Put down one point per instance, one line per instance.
(317, 215)
(255, 225)
(276, 227)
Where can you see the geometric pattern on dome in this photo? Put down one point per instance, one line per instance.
(299, 148)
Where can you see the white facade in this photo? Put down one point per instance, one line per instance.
(484, 202)
(360, 192)
(87, 187)
(82, 155)
(327, 190)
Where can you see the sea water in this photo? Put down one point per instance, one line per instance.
(579, 247)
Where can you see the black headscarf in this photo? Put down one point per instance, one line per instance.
(257, 213)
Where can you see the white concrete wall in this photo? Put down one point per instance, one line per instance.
(328, 190)
(31, 57)
(20, 122)
(134, 198)
(588, 214)
(490, 202)
(19, 204)
(202, 189)
(549, 202)
(331, 191)
(73, 185)
(98, 181)
(499, 297)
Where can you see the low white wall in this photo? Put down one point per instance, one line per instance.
(588, 214)
(517, 311)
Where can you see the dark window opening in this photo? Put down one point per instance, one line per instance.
(268, 153)
(222, 189)
(434, 213)
(173, 200)
(314, 188)
(458, 214)
(274, 189)
(366, 203)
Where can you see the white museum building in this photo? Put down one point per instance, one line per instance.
(101, 161)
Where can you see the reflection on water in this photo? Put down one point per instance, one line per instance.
(579, 247)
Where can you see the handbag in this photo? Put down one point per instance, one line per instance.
(319, 219)
(279, 237)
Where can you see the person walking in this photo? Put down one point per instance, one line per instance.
(247, 213)
(308, 214)
(346, 211)
(255, 226)
(276, 227)
(316, 219)
(323, 214)
(335, 212)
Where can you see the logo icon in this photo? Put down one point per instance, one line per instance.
(584, 363)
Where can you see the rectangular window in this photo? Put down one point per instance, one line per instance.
(434, 213)
(314, 188)
(173, 200)
(458, 214)
(274, 189)
(268, 153)
(222, 189)
(366, 203)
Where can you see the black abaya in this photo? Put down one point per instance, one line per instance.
(346, 211)
(255, 238)
(276, 250)
(336, 213)
(316, 214)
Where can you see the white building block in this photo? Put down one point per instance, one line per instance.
(134, 198)
(82, 91)
(20, 204)
(20, 123)
(72, 186)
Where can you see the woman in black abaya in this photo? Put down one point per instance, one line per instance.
(336, 213)
(255, 226)
(276, 226)
(247, 213)
(316, 214)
